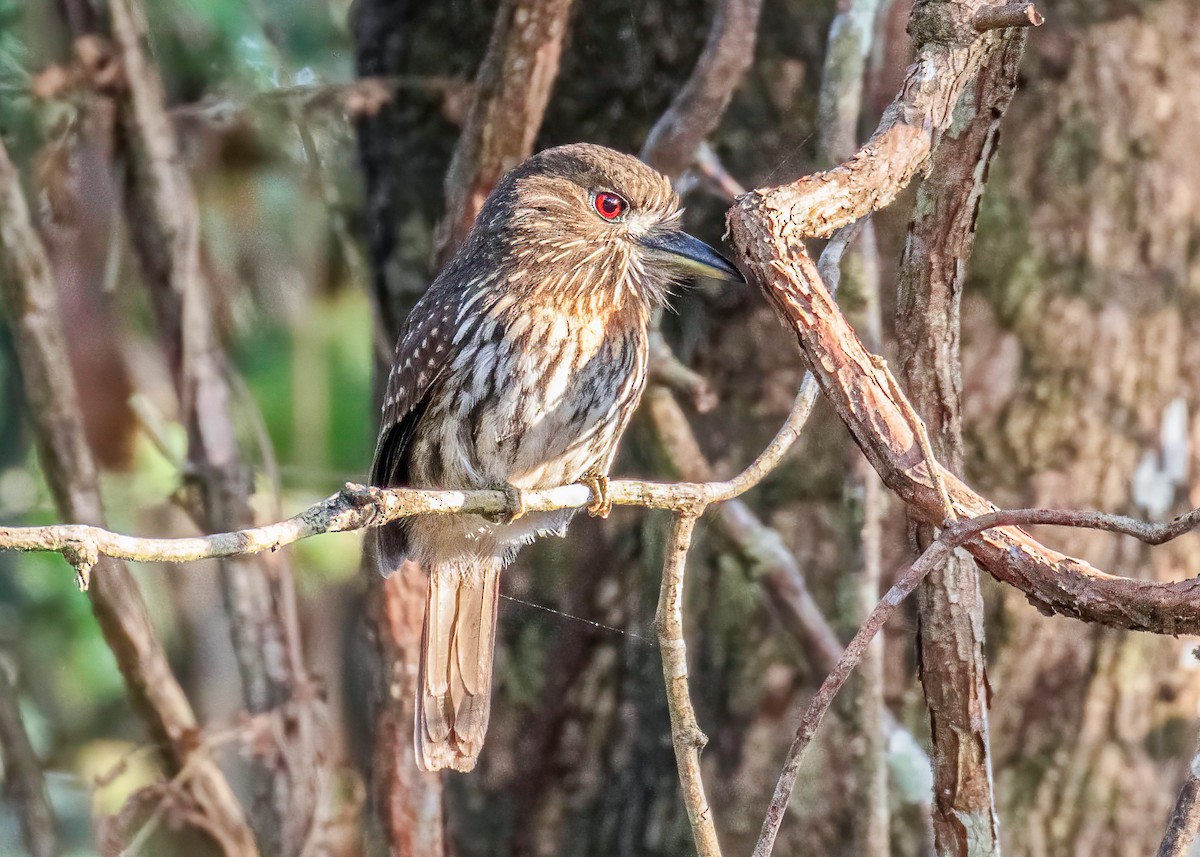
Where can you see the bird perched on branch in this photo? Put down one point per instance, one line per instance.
(519, 369)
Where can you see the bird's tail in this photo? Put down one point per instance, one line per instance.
(454, 682)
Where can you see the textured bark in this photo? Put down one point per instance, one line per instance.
(941, 237)
(406, 804)
(1080, 368)
(32, 309)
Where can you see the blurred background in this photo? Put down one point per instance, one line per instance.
(1081, 390)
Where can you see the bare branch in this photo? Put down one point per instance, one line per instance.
(1184, 824)
(24, 787)
(672, 144)
(164, 221)
(511, 92)
(769, 227)
(955, 535)
(686, 736)
(1007, 15)
(669, 371)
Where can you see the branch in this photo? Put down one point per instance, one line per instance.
(686, 736)
(941, 236)
(955, 535)
(164, 221)
(1007, 15)
(32, 302)
(24, 786)
(511, 93)
(768, 229)
(674, 141)
(669, 371)
(1184, 824)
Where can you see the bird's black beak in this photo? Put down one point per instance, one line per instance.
(690, 255)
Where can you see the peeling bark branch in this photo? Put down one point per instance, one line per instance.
(686, 736)
(32, 305)
(675, 140)
(769, 227)
(941, 237)
(511, 93)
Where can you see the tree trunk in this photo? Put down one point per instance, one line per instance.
(1082, 391)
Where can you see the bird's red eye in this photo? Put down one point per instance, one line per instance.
(609, 205)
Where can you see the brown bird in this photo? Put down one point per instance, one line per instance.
(519, 369)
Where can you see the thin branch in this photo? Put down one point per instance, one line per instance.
(954, 536)
(164, 223)
(669, 371)
(674, 141)
(1007, 15)
(23, 785)
(1184, 824)
(686, 736)
(709, 167)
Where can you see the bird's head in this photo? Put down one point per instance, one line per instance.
(592, 224)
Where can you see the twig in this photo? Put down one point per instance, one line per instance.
(955, 535)
(24, 787)
(1007, 15)
(686, 736)
(1184, 823)
(668, 370)
(511, 93)
(709, 166)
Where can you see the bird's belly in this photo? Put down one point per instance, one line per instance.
(549, 411)
(536, 420)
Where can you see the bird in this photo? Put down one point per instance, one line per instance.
(519, 368)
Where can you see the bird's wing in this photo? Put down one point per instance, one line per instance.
(422, 355)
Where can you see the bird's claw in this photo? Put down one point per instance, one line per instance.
(600, 505)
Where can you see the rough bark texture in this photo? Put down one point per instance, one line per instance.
(941, 237)
(1082, 391)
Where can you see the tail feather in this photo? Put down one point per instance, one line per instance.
(454, 683)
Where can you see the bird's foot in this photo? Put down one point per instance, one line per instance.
(514, 507)
(601, 505)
